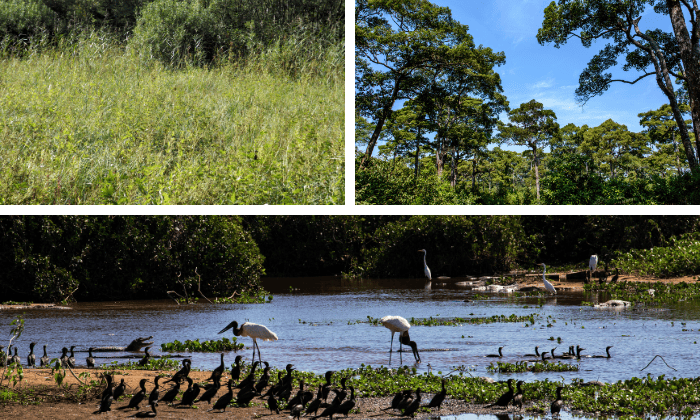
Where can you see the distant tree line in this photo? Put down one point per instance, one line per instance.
(175, 31)
(97, 258)
(438, 147)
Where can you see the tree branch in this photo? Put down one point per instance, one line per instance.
(199, 286)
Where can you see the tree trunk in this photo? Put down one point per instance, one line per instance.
(417, 161)
(439, 157)
(690, 55)
(380, 122)
(537, 172)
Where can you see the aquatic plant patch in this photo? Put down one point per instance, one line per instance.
(680, 257)
(161, 363)
(648, 293)
(207, 346)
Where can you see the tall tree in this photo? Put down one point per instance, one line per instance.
(650, 53)
(403, 45)
(616, 149)
(662, 129)
(531, 126)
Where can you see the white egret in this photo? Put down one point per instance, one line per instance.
(547, 285)
(254, 331)
(593, 263)
(426, 270)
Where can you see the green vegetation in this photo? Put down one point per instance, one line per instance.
(124, 257)
(438, 146)
(160, 363)
(207, 346)
(217, 102)
(679, 256)
(649, 293)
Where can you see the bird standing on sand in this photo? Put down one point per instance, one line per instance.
(547, 285)
(558, 403)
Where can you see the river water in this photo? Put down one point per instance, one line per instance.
(321, 325)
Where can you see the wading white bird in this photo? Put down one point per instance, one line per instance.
(426, 270)
(593, 263)
(547, 285)
(395, 324)
(254, 331)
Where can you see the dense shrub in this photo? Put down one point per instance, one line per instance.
(124, 257)
(20, 19)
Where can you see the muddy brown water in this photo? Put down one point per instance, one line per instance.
(321, 325)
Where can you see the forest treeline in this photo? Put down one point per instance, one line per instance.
(96, 258)
(176, 31)
(430, 105)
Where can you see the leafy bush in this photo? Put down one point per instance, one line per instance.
(208, 346)
(678, 257)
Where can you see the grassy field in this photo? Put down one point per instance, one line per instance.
(92, 122)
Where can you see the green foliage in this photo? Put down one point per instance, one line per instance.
(160, 363)
(207, 346)
(254, 296)
(233, 134)
(181, 31)
(680, 256)
(123, 257)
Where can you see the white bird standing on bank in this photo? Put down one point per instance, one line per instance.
(254, 331)
(426, 270)
(547, 285)
(593, 263)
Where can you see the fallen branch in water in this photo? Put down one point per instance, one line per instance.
(661, 359)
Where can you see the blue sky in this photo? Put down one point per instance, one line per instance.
(548, 74)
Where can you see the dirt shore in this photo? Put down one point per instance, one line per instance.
(366, 408)
(578, 285)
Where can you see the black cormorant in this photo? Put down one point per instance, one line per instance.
(155, 394)
(558, 403)
(439, 397)
(31, 358)
(146, 358)
(506, 398)
(90, 360)
(348, 405)
(225, 399)
(138, 397)
(44, 361)
(518, 397)
(413, 406)
(500, 353)
(607, 351)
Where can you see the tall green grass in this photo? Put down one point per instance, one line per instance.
(90, 121)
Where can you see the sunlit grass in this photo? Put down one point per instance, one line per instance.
(95, 123)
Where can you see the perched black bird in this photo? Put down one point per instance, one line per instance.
(138, 397)
(182, 373)
(146, 358)
(316, 404)
(506, 398)
(348, 405)
(63, 358)
(439, 397)
(397, 399)
(330, 410)
(106, 403)
(276, 387)
(249, 380)
(119, 390)
(245, 396)
(16, 360)
(405, 401)
(108, 390)
(413, 406)
(44, 361)
(216, 373)
(90, 360)
(327, 385)
(298, 399)
(190, 394)
(272, 404)
(71, 359)
(558, 403)
(225, 399)
(264, 379)
(236, 369)
(518, 398)
(209, 394)
(155, 394)
(31, 358)
(169, 396)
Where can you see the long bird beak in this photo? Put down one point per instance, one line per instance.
(228, 327)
